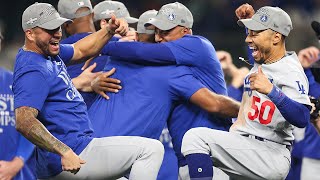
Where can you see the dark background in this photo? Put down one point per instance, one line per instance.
(213, 19)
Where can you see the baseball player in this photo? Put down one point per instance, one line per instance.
(178, 47)
(275, 98)
(51, 113)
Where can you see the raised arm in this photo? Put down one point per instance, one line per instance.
(31, 128)
(138, 52)
(215, 103)
(91, 45)
(246, 11)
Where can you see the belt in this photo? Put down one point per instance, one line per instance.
(262, 139)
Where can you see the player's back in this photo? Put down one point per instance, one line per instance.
(143, 105)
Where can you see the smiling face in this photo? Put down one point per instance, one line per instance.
(261, 44)
(45, 41)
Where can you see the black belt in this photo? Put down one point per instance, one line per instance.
(262, 139)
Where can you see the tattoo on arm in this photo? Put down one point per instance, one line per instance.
(30, 127)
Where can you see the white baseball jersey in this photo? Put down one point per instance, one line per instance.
(258, 115)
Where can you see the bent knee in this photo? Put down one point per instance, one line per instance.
(193, 142)
(155, 147)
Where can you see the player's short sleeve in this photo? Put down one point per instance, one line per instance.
(295, 85)
(66, 52)
(30, 89)
(183, 86)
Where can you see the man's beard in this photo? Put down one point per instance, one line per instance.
(45, 48)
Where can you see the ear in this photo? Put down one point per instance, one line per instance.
(277, 38)
(66, 27)
(189, 31)
(103, 23)
(29, 33)
(185, 30)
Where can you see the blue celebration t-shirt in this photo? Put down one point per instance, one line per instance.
(43, 83)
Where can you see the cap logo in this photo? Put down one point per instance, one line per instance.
(80, 3)
(107, 12)
(31, 21)
(264, 18)
(169, 13)
(171, 17)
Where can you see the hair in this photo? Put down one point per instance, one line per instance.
(80, 24)
(97, 25)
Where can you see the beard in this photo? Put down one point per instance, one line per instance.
(44, 46)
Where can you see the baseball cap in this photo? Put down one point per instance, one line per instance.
(172, 15)
(68, 8)
(144, 17)
(42, 15)
(269, 18)
(105, 9)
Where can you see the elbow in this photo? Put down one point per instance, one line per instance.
(18, 125)
(213, 109)
(215, 106)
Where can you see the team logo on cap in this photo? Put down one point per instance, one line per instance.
(32, 20)
(107, 12)
(169, 13)
(171, 17)
(263, 18)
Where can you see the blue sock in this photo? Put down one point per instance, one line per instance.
(200, 166)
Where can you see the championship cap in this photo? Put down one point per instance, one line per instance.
(145, 17)
(42, 15)
(172, 15)
(269, 18)
(105, 9)
(68, 8)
